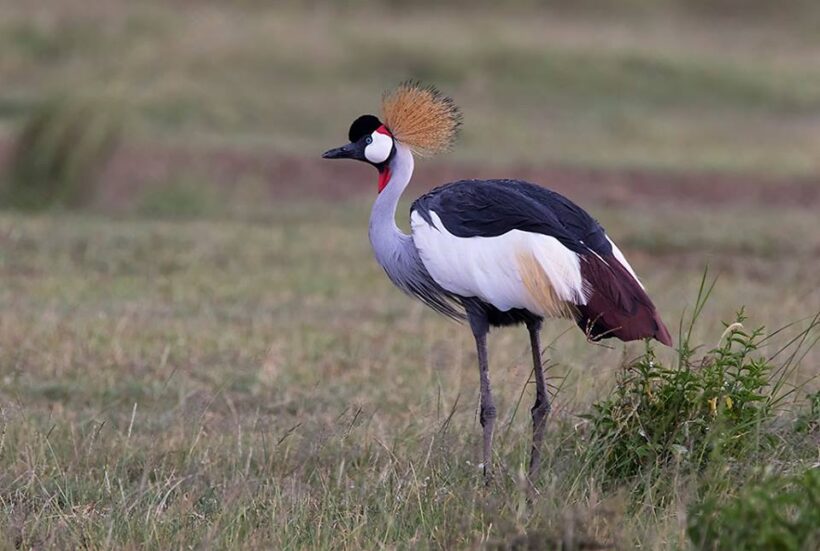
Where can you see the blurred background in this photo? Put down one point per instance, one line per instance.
(240, 97)
(179, 270)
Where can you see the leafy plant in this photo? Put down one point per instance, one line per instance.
(658, 415)
(778, 513)
(687, 415)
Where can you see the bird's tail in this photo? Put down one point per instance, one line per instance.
(617, 306)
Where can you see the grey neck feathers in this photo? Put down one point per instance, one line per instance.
(395, 250)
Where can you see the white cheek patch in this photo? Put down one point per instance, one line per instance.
(378, 151)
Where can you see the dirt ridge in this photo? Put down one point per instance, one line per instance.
(137, 167)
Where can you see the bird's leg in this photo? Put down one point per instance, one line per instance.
(488, 413)
(480, 327)
(542, 404)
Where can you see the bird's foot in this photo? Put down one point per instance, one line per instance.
(488, 473)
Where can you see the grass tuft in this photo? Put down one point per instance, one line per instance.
(59, 152)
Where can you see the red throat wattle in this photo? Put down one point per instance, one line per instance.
(384, 177)
(384, 173)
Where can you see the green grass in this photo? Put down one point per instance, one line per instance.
(261, 384)
(777, 512)
(660, 89)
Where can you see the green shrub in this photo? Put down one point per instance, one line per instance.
(686, 414)
(778, 513)
(60, 151)
(706, 411)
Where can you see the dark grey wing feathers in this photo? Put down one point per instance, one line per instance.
(488, 208)
(578, 221)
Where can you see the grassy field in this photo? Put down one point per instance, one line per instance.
(219, 382)
(207, 356)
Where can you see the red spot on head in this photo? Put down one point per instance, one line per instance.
(383, 130)
(384, 177)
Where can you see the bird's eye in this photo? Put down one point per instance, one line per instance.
(368, 140)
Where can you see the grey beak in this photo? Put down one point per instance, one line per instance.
(344, 152)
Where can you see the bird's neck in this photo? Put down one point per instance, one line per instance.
(385, 236)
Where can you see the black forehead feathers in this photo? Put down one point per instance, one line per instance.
(363, 126)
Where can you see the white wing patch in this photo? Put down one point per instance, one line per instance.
(490, 267)
(622, 259)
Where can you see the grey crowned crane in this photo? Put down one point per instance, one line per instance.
(492, 252)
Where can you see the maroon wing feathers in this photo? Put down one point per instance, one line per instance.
(617, 305)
